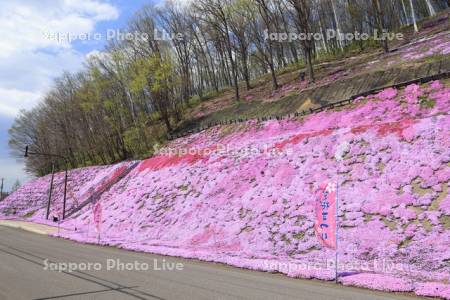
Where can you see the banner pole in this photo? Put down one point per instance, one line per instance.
(343, 148)
(337, 224)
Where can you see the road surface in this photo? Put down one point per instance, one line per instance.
(25, 255)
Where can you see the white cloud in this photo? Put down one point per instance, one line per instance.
(22, 99)
(23, 24)
(25, 78)
(29, 60)
(99, 11)
(97, 54)
(184, 4)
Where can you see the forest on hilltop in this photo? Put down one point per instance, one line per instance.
(129, 96)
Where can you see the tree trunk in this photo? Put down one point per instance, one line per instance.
(301, 6)
(245, 72)
(405, 14)
(233, 64)
(274, 76)
(167, 122)
(413, 15)
(338, 26)
(324, 44)
(430, 8)
(380, 24)
(309, 65)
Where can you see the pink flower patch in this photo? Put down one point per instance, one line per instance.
(387, 94)
(412, 93)
(378, 282)
(433, 289)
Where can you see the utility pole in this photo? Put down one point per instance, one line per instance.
(27, 153)
(1, 191)
(65, 193)
(50, 191)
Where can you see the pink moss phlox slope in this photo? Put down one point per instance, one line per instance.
(244, 195)
(437, 45)
(32, 198)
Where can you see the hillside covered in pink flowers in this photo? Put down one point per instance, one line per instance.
(244, 194)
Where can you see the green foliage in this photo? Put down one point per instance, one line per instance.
(132, 139)
(435, 57)
(29, 214)
(152, 72)
(292, 67)
(358, 46)
(426, 103)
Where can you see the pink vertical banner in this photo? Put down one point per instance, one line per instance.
(97, 212)
(325, 207)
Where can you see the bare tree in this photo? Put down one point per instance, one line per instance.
(380, 23)
(216, 13)
(303, 13)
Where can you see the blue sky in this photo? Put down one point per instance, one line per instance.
(29, 61)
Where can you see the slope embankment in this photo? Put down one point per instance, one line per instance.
(244, 194)
(419, 61)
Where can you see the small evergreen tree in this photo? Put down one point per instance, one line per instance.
(15, 186)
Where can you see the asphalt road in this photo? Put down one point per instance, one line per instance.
(24, 256)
